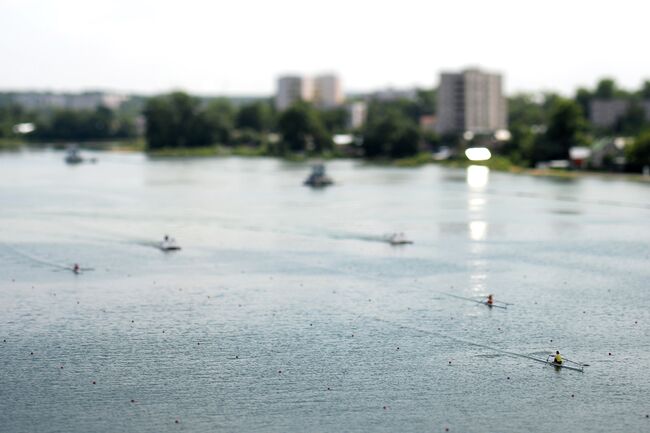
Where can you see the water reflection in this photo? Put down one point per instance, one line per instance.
(477, 230)
(477, 177)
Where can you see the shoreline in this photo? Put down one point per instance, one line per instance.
(498, 163)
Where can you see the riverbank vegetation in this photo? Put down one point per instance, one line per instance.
(542, 128)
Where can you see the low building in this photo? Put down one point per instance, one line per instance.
(391, 94)
(604, 113)
(609, 153)
(357, 113)
(428, 123)
(71, 101)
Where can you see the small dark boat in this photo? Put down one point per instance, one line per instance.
(318, 178)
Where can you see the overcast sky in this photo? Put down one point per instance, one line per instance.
(239, 47)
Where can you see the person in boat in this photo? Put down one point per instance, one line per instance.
(490, 300)
(557, 359)
(76, 268)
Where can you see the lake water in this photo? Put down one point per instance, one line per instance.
(286, 312)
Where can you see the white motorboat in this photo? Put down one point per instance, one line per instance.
(398, 239)
(169, 244)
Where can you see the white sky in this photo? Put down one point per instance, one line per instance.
(240, 46)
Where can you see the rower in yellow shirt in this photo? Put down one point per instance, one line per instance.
(557, 359)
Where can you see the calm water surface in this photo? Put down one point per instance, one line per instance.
(285, 311)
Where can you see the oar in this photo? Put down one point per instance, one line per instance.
(576, 363)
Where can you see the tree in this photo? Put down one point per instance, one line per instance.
(175, 121)
(425, 100)
(392, 135)
(257, 116)
(583, 98)
(638, 153)
(524, 108)
(632, 121)
(606, 89)
(335, 120)
(566, 129)
(645, 90)
(302, 130)
(220, 115)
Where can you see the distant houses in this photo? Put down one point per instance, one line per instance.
(71, 101)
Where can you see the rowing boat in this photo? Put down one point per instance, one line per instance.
(569, 367)
(496, 304)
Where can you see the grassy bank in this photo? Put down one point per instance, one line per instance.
(208, 151)
(11, 144)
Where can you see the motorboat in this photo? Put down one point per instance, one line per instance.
(169, 244)
(398, 239)
(72, 155)
(318, 178)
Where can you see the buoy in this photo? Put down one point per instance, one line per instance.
(449, 362)
(508, 377)
(328, 388)
(398, 348)
(610, 353)
(280, 371)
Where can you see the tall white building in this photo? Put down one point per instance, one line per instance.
(471, 100)
(292, 88)
(325, 91)
(328, 92)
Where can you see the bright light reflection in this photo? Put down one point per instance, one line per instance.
(477, 230)
(478, 154)
(476, 204)
(477, 176)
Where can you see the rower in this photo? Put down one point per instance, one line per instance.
(557, 359)
(490, 300)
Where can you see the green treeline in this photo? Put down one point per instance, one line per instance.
(178, 120)
(67, 125)
(542, 127)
